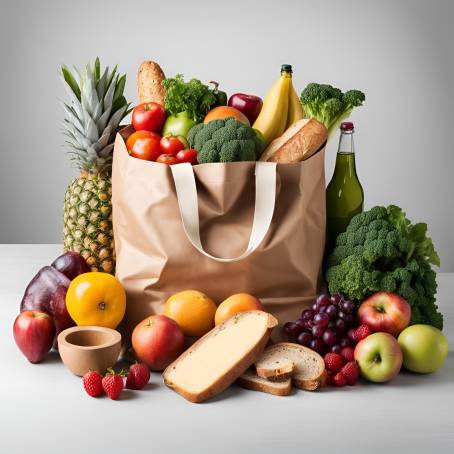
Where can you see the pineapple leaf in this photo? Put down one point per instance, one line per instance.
(120, 86)
(117, 117)
(120, 102)
(97, 69)
(69, 79)
(111, 76)
(73, 118)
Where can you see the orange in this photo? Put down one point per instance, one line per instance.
(96, 299)
(240, 302)
(192, 310)
(221, 112)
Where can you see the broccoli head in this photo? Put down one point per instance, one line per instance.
(329, 105)
(382, 250)
(225, 140)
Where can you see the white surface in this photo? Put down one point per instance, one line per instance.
(43, 408)
(399, 53)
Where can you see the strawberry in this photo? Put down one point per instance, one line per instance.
(93, 383)
(348, 354)
(112, 384)
(339, 379)
(333, 362)
(362, 332)
(351, 372)
(138, 376)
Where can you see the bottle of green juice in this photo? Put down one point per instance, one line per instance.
(344, 194)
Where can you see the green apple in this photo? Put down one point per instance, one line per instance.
(379, 357)
(424, 347)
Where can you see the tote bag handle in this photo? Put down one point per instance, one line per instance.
(265, 199)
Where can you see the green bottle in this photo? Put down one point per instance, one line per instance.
(344, 194)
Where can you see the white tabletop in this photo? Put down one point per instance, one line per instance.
(44, 409)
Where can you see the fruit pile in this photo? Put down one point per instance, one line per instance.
(375, 340)
(326, 326)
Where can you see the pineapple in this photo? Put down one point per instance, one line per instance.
(93, 115)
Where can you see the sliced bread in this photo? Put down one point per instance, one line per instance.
(250, 380)
(277, 369)
(217, 359)
(309, 368)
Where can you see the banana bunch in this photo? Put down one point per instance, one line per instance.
(281, 107)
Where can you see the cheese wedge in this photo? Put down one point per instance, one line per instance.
(216, 360)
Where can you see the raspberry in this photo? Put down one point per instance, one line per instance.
(93, 383)
(348, 354)
(351, 334)
(333, 362)
(339, 379)
(362, 332)
(351, 372)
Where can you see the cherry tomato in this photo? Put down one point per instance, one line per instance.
(167, 159)
(189, 155)
(173, 144)
(144, 145)
(149, 116)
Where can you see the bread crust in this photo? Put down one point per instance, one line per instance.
(149, 83)
(298, 143)
(224, 381)
(264, 387)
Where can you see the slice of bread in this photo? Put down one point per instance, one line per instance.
(298, 143)
(250, 380)
(216, 360)
(277, 369)
(309, 367)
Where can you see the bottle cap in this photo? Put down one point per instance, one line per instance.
(286, 68)
(347, 126)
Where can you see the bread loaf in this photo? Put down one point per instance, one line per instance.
(149, 83)
(299, 142)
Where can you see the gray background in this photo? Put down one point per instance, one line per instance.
(399, 53)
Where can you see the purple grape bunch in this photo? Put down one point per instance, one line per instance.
(325, 325)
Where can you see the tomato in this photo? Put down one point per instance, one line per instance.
(189, 155)
(144, 145)
(167, 159)
(173, 144)
(149, 116)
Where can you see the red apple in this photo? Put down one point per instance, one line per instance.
(46, 292)
(157, 341)
(249, 105)
(34, 333)
(385, 312)
(71, 264)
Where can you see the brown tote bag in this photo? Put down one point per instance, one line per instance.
(221, 228)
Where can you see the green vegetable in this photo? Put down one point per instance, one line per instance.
(329, 105)
(221, 96)
(178, 125)
(382, 250)
(225, 140)
(193, 97)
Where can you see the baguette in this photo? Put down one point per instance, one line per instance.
(309, 367)
(149, 83)
(251, 380)
(298, 143)
(216, 360)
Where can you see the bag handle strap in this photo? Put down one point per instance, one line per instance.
(265, 199)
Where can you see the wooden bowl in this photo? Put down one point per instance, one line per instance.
(84, 348)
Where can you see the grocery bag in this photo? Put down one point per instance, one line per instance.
(220, 228)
